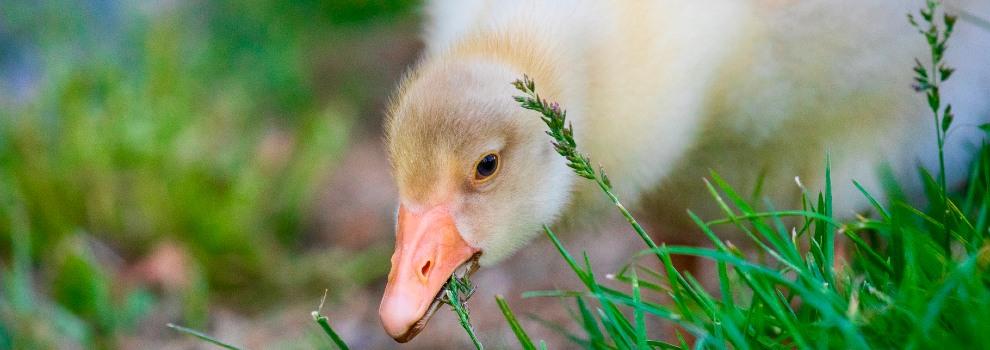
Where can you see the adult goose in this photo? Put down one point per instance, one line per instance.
(658, 92)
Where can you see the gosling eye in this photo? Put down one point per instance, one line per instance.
(487, 166)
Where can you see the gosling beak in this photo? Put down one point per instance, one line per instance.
(428, 250)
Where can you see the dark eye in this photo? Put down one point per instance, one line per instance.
(487, 166)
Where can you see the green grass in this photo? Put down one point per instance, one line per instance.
(917, 277)
(319, 319)
(324, 323)
(196, 125)
(202, 336)
(457, 292)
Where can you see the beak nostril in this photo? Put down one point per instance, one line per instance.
(425, 270)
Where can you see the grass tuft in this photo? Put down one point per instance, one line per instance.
(457, 292)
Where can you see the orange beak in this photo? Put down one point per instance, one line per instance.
(428, 250)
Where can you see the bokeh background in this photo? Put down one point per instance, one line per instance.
(218, 164)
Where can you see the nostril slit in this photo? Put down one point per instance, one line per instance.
(426, 268)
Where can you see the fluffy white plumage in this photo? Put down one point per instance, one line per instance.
(662, 91)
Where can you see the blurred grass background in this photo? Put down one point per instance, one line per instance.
(162, 160)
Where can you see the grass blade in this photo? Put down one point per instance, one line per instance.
(524, 339)
(638, 312)
(324, 324)
(595, 335)
(202, 336)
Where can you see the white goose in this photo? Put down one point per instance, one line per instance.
(659, 92)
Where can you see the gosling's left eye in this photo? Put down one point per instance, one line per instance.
(487, 166)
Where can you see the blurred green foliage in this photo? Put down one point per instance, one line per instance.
(192, 123)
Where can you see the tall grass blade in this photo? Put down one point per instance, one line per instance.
(524, 339)
(202, 336)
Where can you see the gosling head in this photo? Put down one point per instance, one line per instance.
(476, 175)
